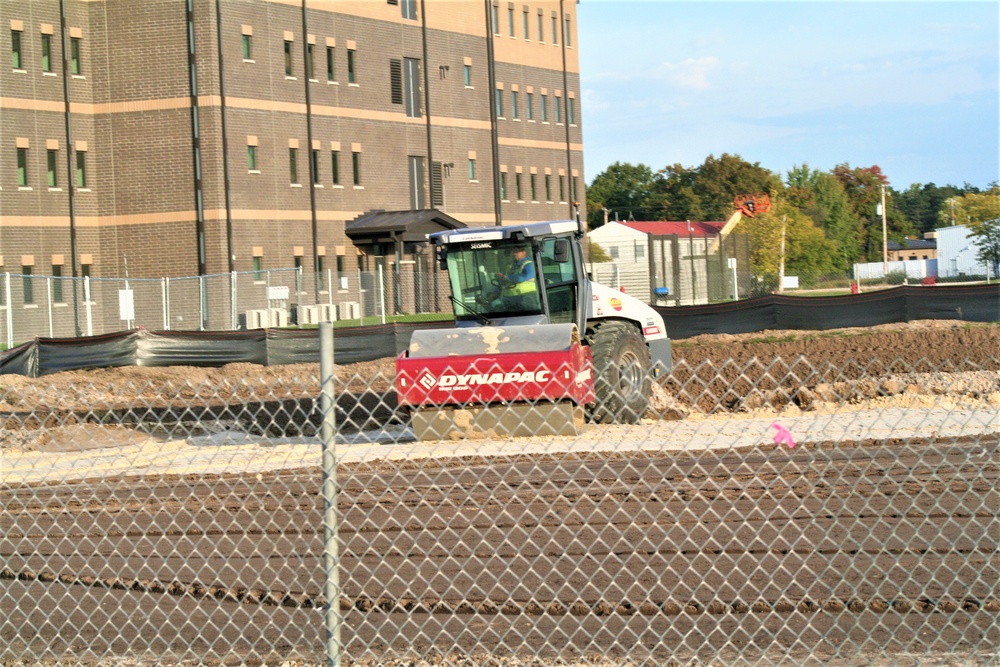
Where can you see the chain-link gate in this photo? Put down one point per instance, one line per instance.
(770, 512)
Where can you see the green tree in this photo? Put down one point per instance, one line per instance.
(822, 197)
(707, 192)
(987, 240)
(808, 252)
(625, 189)
(921, 204)
(595, 253)
(863, 187)
(972, 209)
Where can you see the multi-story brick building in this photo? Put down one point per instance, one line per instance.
(132, 143)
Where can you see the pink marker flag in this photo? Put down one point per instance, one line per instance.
(783, 435)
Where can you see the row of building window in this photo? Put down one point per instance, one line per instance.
(528, 110)
(46, 55)
(315, 166)
(531, 188)
(54, 166)
(28, 282)
(526, 24)
(405, 83)
(288, 56)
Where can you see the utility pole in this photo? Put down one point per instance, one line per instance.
(781, 265)
(885, 239)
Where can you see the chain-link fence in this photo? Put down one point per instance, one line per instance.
(776, 511)
(58, 307)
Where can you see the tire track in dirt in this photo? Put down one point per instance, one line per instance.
(681, 488)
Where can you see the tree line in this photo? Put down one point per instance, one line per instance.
(829, 219)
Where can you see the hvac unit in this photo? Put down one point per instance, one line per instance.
(321, 312)
(257, 319)
(349, 310)
(279, 317)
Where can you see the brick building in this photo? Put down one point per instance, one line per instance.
(132, 144)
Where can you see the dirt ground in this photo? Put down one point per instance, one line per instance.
(691, 558)
(712, 373)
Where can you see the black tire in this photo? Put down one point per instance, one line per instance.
(622, 372)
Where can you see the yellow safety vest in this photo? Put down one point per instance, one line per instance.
(524, 287)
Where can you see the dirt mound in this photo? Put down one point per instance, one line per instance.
(721, 373)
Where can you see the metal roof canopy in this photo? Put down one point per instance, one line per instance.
(518, 232)
(380, 226)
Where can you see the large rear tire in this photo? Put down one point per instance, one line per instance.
(622, 370)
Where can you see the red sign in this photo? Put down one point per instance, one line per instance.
(500, 378)
(616, 303)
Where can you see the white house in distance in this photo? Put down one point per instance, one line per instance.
(957, 251)
(628, 241)
(670, 261)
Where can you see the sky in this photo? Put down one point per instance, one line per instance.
(909, 86)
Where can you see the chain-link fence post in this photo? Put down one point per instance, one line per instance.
(331, 550)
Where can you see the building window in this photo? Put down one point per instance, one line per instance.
(409, 9)
(640, 251)
(562, 188)
(411, 86)
(545, 108)
(247, 50)
(503, 185)
(320, 278)
(517, 187)
(74, 56)
(513, 104)
(555, 30)
(571, 110)
(613, 251)
(258, 268)
(288, 58)
(558, 106)
(28, 285)
(541, 27)
(81, 169)
(22, 167)
(252, 158)
(510, 21)
(548, 187)
(293, 167)
(566, 35)
(498, 99)
(468, 76)
(495, 16)
(57, 284)
(534, 191)
(526, 22)
(52, 159)
(16, 52)
(314, 166)
(472, 169)
(335, 166)
(85, 270)
(356, 167)
(576, 195)
(46, 53)
(352, 74)
(341, 278)
(329, 64)
(529, 105)
(311, 61)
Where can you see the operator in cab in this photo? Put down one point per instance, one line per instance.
(518, 289)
